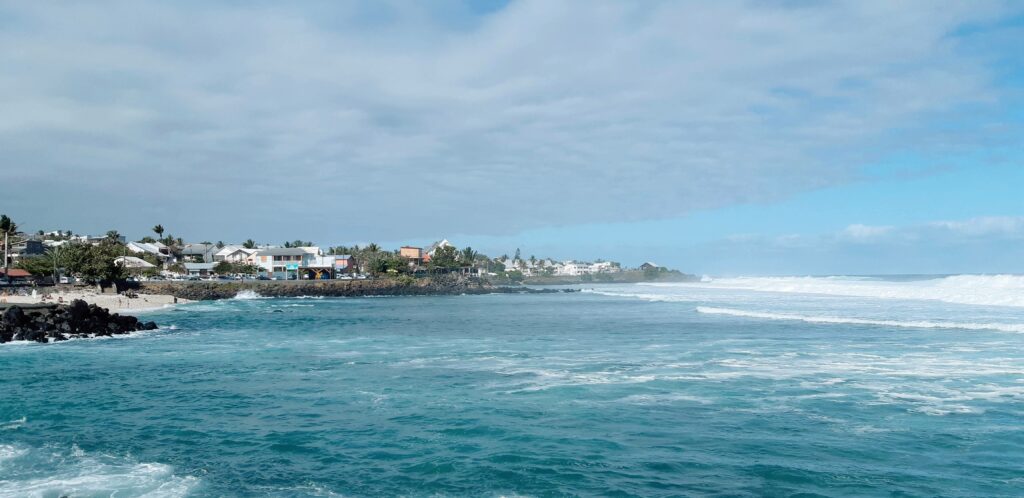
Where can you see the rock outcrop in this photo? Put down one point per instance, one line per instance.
(61, 322)
(442, 285)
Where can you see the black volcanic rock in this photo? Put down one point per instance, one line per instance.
(58, 322)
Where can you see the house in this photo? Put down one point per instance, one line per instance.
(410, 252)
(199, 253)
(199, 269)
(155, 248)
(282, 262)
(574, 268)
(605, 267)
(649, 266)
(344, 263)
(96, 239)
(16, 275)
(432, 248)
(233, 254)
(26, 249)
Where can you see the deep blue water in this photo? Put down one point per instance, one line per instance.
(536, 395)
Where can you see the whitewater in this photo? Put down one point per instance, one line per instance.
(965, 302)
(793, 386)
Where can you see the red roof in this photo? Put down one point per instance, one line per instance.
(17, 273)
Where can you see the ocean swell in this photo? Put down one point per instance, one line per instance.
(923, 324)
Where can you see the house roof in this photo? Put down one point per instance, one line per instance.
(282, 251)
(433, 247)
(17, 273)
(199, 266)
(133, 262)
(145, 247)
(195, 249)
(228, 250)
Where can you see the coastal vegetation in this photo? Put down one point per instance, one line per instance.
(109, 260)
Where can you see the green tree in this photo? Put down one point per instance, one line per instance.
(159, 230)
(38, 265)
(249, 244)
(113, 236)
(224, 268)
(444, 258)
(97, 265)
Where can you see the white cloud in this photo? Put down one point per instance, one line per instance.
(864, 233)
(984, 226)
(541, 113)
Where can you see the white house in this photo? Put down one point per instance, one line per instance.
(233, 254)
(283, 262)
(574, 268)
(156, 249)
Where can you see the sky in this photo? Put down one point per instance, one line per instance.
(725, 138)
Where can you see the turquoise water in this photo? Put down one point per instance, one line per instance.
(624, 391)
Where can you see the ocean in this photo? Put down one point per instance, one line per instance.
(795, 386)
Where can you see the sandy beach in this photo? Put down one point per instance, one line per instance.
(114, 302)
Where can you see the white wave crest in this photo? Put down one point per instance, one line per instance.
(13, 424)
(247, 294)
(39, 472)
(924, 324)
(981, 290)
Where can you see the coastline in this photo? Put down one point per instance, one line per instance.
(116, 303)
(442, 285)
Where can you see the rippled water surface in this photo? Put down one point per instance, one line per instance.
(626, 390)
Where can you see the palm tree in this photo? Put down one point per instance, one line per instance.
(468, 255)
(249, 244)
(159, 229)
(220, 244)
(7, 226)
(373, 247)
(113, 236)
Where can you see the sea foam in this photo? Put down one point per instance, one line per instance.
(979, 290)
(247, 294)
(43, 472)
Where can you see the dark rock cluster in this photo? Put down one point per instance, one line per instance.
(60, 322)
(437, 285)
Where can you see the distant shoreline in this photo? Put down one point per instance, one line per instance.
(442, 285)
(623, 277)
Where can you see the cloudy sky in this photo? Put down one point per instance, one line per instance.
(719, 137)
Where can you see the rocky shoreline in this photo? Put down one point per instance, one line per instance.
(59, 322)
(443, 285)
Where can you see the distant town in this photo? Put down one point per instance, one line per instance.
(61, 256)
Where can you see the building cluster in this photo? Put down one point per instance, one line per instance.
(549, 267)
(280, 263)
(203, 260)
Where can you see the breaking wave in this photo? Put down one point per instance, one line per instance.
(923, 324)
(979, 290)
(45, 472)
(247, 294)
